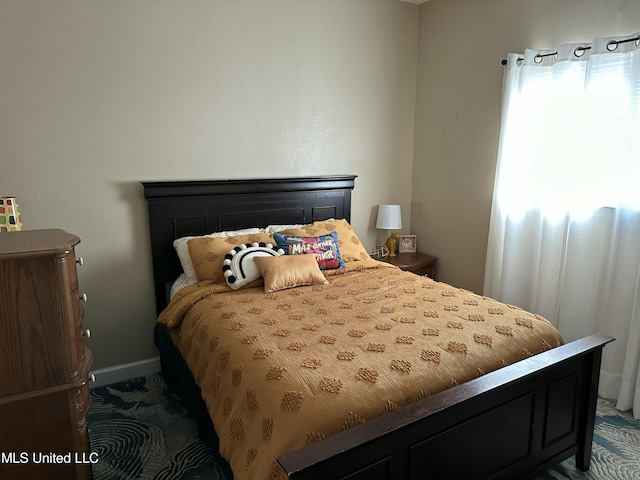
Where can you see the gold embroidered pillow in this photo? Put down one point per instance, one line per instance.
(182, 248)
(288, 271)
(207, 253)
(351, 248)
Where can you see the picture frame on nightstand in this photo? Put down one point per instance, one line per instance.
(407, 243)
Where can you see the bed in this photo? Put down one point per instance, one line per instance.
(513, 422)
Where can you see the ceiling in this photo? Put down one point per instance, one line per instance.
(417, 2)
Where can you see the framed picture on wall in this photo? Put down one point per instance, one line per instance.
(407, 243)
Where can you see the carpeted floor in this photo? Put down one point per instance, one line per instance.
(140, 431)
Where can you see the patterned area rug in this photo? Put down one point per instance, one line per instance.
(140, 431)
(616, 449)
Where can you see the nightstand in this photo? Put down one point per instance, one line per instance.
(418, 263)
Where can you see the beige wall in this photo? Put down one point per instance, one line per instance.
(461, 45)
(97, 95)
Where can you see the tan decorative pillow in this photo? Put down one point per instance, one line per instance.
(182, 248)
(351, 248)
(288, 271)
(207, 253)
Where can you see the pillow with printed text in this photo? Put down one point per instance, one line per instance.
(323, 247)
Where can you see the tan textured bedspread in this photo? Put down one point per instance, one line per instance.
(282, 370)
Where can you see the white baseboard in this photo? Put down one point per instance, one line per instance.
(117, 373)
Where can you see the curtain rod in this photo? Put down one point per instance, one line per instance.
(612, 45)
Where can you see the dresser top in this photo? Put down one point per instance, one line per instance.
(35, 242)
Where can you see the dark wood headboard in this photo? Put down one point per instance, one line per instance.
(188, 208)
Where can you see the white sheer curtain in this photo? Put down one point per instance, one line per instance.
(564, 239)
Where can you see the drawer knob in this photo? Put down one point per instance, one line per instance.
(83, 297)
(80, 261)
(86, 333)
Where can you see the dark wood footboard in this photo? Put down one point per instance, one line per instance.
(513, 423)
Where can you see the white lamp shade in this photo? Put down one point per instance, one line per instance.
(389, 217)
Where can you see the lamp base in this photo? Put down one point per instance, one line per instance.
(392, 244)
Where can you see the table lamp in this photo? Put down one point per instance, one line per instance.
(389, 218)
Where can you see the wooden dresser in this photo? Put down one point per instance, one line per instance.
(44, 366)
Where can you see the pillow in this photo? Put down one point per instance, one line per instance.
(180, 282)
(288, 271)
(182, 249)
(351, 248)
(324, 248)
(279, 228)
(207, 253)
(238, 266)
